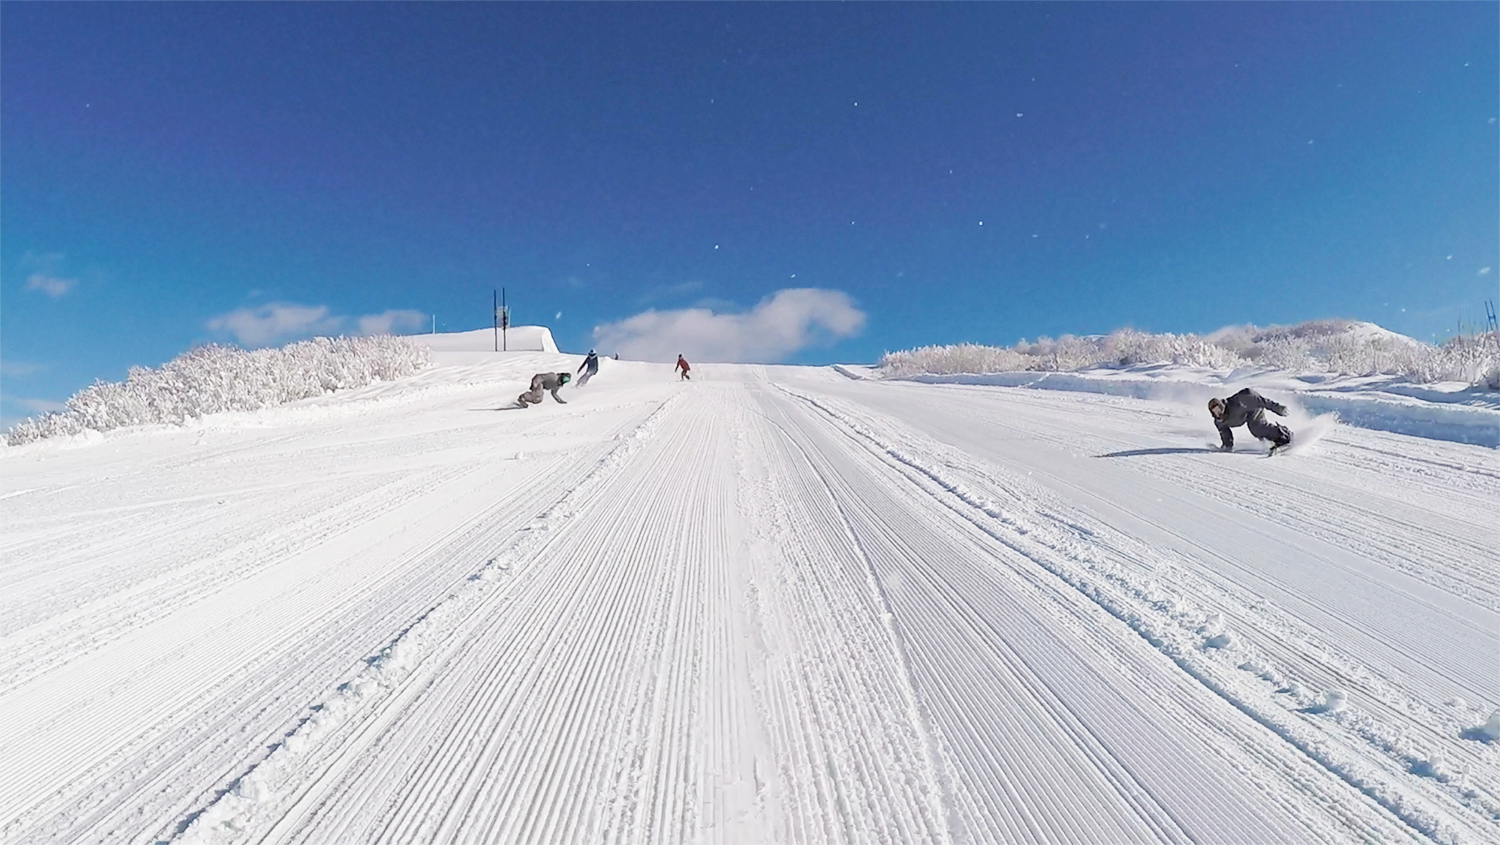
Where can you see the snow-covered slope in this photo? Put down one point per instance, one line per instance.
(1441, 411)
(770, 604)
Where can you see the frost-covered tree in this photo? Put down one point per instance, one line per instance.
(1332, 346)
(213, 378)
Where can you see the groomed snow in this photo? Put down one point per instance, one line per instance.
(771, 604)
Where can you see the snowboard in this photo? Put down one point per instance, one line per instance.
(1271, 453)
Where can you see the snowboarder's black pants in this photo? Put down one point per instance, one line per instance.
(1266, 430)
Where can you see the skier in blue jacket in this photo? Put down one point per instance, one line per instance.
(591, 364)
(1248, 408)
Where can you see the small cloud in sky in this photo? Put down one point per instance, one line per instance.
(392, 322)
(557, 316)
(778, 326)
(282, 321)
(19, 368)
(53, 286)
(276, 321)
(1483, 270)
(44, 273)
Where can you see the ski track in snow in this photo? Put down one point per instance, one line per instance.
(773, 604)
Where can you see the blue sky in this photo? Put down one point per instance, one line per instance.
(172, 174)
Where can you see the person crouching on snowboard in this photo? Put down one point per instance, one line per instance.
(1247, 408)
(544, 381)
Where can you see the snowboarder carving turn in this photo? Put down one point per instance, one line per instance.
(544, 381)
(591, 365)
(1248, 408)
(682, 364)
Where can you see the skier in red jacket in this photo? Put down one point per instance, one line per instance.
(682, 364)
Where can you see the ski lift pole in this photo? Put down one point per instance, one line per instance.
(495, 319)
(504, 322)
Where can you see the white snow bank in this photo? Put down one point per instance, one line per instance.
(1449, 411)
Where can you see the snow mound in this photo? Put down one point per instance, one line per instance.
(463, 347)
(1487, 732)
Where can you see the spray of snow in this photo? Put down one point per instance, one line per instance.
(1307, 429)
(1333, 701)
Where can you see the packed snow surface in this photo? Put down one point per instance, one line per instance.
(772, 604)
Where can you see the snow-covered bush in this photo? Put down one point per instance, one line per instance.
(1335, 346)
(1066, 353)
(945, 360)
(1474, 359)
(213, 378)
(1128, 347)
(1369, 356)
(1282, 353)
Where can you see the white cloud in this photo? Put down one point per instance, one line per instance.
(53, 286)
(392, 322)
(1483, 270)
(19, 368)
(44, 271)
(778, 326)
(279, 322)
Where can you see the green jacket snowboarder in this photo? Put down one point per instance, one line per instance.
(544, 381)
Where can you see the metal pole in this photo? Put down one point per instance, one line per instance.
(495, 319)
(504, 309)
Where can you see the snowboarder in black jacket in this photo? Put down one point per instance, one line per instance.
(591, 364)
(1247, 408)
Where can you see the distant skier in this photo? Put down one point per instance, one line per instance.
(589, 369)
(544, 381)
(1247, 408)
(682, 364)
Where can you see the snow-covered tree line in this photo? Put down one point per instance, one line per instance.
(213, 378)
(1325, 346)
